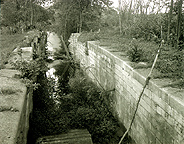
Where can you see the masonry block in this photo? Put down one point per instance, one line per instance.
(147, 99)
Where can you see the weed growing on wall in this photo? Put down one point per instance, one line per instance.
(31, 70)
(134, 52)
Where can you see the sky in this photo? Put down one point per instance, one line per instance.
(151, 4)
(49, 2)
(115, 3)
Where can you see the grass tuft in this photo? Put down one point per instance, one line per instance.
(8, 91)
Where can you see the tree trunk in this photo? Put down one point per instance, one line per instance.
(65, 47)
(31, 12)
(65, 31)
(129, 11)
(169, 21)
(80, 22)
(80, 17)
(120, 25)
(130, 8)
(179, 21)
(25, 3)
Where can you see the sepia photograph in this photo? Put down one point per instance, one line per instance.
(92, 72)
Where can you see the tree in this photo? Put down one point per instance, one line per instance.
(78, 15)
(20, 15)
(9, 13)
(169, 21)
(120, 25)
(180, 2)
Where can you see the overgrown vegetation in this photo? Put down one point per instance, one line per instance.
(139, 32)
(78, 15)
(31, 70)
(18, 16)
(10, 42)
(80, 104)
(92, 111)
(148, 22)
(170, 61)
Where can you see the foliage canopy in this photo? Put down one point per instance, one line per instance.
(79, 15)
(20, 15)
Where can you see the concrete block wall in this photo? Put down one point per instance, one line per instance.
(23, 125)
(15, 108)
(160, 116)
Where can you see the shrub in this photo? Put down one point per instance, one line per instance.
(134, 53)
(30, 70)
(171, 65)
(92, 111)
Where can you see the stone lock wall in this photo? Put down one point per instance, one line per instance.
(15, 108)
(160, 116)
(23, 127)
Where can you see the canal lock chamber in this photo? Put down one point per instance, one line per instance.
(66, 99)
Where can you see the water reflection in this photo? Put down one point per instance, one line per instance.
(50, 73)
(53, 80)
(58, 77)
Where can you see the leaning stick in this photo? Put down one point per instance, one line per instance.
(146, 83)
